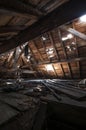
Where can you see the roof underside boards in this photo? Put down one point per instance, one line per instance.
(48, 37)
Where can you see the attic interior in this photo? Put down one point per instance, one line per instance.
(42, 64)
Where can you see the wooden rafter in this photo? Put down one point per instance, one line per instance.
(37, 50)
(29, 64)
(32, 54)
(44, 47)
(19, 7)
(75, 32)
(55, 3)
(62, 70)
(54, 71)
(65, 53)
(62, 61)
(77, 52)
(6, 29)
(53, 44)
(56, 52)
(10, 58)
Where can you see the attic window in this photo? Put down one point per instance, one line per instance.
(49, 67)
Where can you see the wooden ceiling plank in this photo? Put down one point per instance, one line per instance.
(32, 53)
(56, 75)
(53, 44)
(62, 70)
(77, 52)
(65, 53)
(41, 58)
(19, 7)
(43, 43)
(6, 29)
(14, 13)
(53, 5)
(30, 65)
(62, 61)
(56, 52)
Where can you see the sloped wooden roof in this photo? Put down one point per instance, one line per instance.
(35, 32)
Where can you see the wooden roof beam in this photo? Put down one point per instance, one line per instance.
(19, 7)
(40, 56)
(75, 32)
(6, 29)
(72, 60)
(63, 61)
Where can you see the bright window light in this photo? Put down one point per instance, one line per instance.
(43, 38)
(18, 66)
(68, 47)
(19, 50)
(9, 83)
(28, 57)
(64, 38)
(69, 36)
(73, 43)
(83, 18)
(50, 52)
(49, 67)
(50, 49)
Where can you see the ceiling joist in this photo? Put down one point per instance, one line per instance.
(19, 7)
(6, 29)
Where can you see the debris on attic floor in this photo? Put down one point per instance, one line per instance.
(38, 103)
(82, 83)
